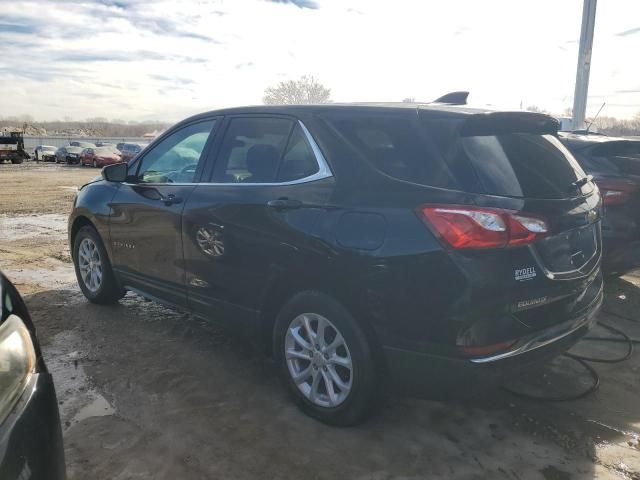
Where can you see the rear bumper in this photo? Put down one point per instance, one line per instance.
(30, 437)
(416, 370)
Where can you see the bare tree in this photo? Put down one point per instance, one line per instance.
(536, 109)
(305, 90)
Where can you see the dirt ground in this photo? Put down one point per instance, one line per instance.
(149, 393)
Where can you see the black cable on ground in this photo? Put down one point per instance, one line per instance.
(564, 398)
(614, 314)
(581, 359)
(628, 340)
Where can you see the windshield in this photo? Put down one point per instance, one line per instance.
(104, 151)
(617, 157)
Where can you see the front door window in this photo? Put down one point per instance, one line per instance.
(175, 158)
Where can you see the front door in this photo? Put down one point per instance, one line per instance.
(146, 213)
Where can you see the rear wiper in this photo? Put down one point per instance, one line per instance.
(582, 181)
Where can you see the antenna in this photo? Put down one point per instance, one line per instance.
(596, 116)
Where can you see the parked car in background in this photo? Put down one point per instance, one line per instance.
(69, 154)
(104, 144)
(427, 242)
(46, 153)
(130, 150)
(99, 157)
(81, 144)
(615, 166)
(30, 433)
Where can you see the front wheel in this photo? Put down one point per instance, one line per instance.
(326, 360)
(93, 269)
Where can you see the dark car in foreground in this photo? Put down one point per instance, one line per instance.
(99, 157)
(30, 433)
(614, 164)
(69, 154)
(356, 242)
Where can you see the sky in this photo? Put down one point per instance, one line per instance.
(140, 60)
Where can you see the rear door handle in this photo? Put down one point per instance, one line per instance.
(284, 204)
(171, 199)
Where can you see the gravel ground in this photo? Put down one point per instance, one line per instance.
(149, 393)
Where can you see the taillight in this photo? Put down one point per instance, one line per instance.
(615, 192)
(466, 227)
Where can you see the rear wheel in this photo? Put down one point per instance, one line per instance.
(93, 269)
(325, 360)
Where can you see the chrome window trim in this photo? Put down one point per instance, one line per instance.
(324, 171)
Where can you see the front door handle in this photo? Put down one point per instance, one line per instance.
(284, 204)
(171, 199)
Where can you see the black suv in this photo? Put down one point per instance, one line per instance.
(615, 165)
(356, 241)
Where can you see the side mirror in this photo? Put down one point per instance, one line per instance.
(115, 173)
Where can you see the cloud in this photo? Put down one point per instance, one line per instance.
(628, 32)
(137, 59)
(15, 28)
(298, 3)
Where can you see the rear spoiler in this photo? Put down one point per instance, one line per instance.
(496, 123)
(453, 98)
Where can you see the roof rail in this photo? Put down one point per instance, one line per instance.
(453, 98)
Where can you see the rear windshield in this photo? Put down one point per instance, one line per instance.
(440, 153)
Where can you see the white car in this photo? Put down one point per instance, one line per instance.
(46, 153)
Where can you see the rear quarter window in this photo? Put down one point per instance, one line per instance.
(394, 145)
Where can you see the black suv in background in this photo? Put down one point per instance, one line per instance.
(615, 165)
(356, 241)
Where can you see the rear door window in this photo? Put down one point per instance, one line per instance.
(264, 150)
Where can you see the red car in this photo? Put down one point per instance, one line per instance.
(99, 157)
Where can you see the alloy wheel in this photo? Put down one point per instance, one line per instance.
(90, 264)
(318, 360)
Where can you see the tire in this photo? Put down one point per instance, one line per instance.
(107, 290)
(16, 161)
(351, 405)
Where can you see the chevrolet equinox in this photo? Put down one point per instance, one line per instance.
(356, 242)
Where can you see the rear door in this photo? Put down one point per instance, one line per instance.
(146, 213)
(253, 219)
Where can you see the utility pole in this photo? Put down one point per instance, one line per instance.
(584, 63)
